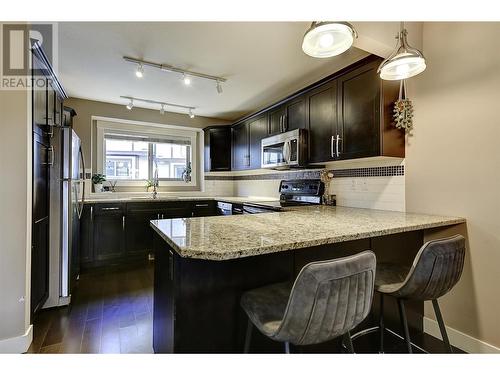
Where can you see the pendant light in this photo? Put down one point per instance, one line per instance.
(327, 39)
(404, 62)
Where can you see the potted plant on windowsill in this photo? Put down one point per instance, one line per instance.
(97, 180)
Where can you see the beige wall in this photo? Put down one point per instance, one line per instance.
(453, 160)
(85, 109)
(15, 218)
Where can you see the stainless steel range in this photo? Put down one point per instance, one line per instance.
(301, 192)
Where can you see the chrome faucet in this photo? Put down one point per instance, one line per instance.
(156, 181)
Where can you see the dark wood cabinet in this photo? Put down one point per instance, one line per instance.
(86, 235)
(40, 222)
(323, 122)
(276, 120)
(204, 208)
(246, 143)
(257, 129)
(348, 115)
(109, 231)
(240, 150)
(359, 113)
(112, 233)
(289, 116)
(218, 148)
(295, 114)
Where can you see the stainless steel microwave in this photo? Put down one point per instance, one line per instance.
(285, 150)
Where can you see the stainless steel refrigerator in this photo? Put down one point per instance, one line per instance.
(67, 197)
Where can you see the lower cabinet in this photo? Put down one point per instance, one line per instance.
(113, 233)
(109, 232)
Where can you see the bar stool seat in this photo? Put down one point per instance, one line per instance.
(327, 300)
(390, 277)
(266, 306)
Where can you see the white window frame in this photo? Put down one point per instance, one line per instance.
(106, 125)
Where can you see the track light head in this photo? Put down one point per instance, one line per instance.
(219, 87)
(186, 79)
(130, 105)
(162, 109)
(139, 73)
(191, 114)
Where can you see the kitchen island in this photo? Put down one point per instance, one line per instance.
(204, 264)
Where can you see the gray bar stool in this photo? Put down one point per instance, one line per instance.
(327, 300)
(436, 269)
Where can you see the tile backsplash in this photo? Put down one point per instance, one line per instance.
(367, 183)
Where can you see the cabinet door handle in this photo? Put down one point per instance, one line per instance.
(91, 213)
(285, 125)
(171, 264)
(332, 153)
(123, 222)
(201, 205)
(158, 217)
(162, 216)
(338, 139)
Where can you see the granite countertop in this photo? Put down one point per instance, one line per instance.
(230, 237)
(117, 198)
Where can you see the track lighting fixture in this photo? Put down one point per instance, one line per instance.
(327, 38)
(187, 75)
(162, 105)
(404, 62)
(140, 71)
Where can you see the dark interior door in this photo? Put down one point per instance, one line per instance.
(257, 129)
(241, 157)
(40, 224)
(359, 115)
(322, 122)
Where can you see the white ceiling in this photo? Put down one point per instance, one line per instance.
(263, 62)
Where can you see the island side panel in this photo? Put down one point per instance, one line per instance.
(197, 301)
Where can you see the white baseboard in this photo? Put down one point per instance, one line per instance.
(18, 344)
(459, 339)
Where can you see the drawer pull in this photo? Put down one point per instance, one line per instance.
(201, 205)
(110, 208)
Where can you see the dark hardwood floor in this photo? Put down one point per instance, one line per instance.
(111, 312)
(112, 309)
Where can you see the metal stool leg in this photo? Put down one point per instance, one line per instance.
(442, 327)
(381, 323)
(404, 322)
(248, 337)
(287, 347)
(348, 340)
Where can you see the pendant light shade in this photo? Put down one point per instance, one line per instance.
(327, 39)
(404, 62)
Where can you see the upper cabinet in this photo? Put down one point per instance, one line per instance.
(288, 116)
(323, 122)
(257, 129)
(217, 148)
(246, 140)
(348, 115)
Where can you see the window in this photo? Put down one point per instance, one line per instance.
(128, 153)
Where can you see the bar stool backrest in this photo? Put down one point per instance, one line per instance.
(328, 298)
(435, 270)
